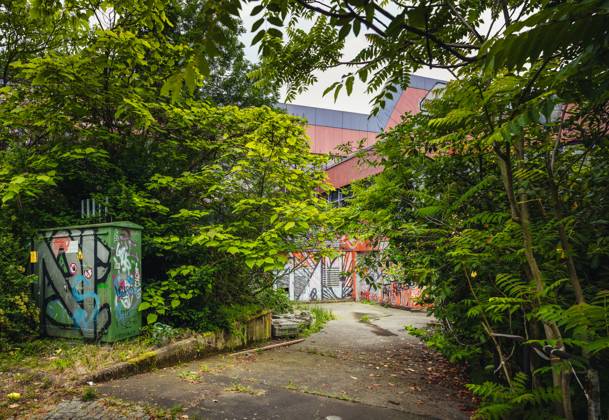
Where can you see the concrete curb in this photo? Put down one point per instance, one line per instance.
(256, 329)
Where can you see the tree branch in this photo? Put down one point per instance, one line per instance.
(464, 22)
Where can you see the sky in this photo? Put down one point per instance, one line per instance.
(358, 101)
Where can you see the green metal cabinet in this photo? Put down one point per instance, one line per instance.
(89, 280)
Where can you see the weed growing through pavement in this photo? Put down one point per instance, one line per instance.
(321, 316)
(88, 394)
(189, 376)
(245, 389)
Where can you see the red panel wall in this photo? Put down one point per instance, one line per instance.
(351, 170)
(324, 140)
(409, 102)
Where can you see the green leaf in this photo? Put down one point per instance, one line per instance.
(258, 37)
(257, 24)
(257, 9)
(151, 318)
(143, 306)
(349, 84)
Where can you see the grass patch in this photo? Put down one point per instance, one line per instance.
(245, 389)
(365, 319)
(321, 316)
(318, 352)
(71, 359)
(189, 376)
(88, 394)
(175, 410)
(305, 390)
(369, 302)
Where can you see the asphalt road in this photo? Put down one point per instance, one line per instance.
(363, 365)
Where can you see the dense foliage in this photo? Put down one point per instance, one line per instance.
(223, 193)
(495, 200)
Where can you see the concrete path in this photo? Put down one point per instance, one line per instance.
(363, 365)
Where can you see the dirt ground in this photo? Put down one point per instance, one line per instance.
(363, 365)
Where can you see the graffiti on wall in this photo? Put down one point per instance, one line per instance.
(320, 278)
(390, 293)
(126, 278)
(74, 269)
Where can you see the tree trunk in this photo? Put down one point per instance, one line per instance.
(520, 214)
(594, 394)
(593, 399)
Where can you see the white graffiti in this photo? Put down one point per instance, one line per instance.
(121, 257)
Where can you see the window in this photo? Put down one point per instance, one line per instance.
(338, 196)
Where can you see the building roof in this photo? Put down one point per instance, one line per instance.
(353, 120)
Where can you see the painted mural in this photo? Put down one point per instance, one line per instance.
(312, 277)
(89, 282)
(392, 293)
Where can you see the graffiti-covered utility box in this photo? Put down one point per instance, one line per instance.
(89, 281)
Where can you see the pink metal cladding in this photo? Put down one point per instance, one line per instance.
(325, 140)
(409, 103)
(351, 169)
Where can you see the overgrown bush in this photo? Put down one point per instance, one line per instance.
(18, 312)
(506, 236)
(277, 300)
(321, 316)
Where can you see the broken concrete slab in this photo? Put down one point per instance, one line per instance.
(291, 324)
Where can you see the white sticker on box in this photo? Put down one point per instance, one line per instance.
(72, 248)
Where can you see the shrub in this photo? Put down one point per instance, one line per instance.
(18, 311)
(276, 300)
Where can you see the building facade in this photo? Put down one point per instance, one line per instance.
(333, 133)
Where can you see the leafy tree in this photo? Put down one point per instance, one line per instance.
(443, 205)
(227, 81)
(223, 193)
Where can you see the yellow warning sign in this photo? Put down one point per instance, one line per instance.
(80, 256)
(33, 257)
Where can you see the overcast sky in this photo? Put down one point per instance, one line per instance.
(359, 101)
